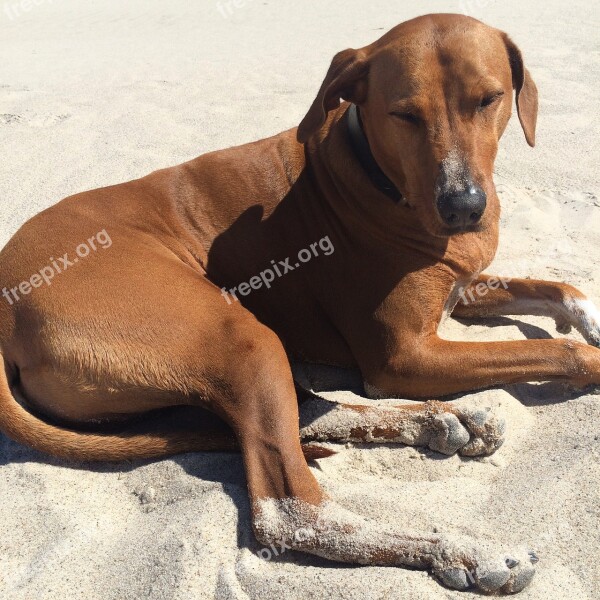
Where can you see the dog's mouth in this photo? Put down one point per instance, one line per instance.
(453, 231)
(405, 203)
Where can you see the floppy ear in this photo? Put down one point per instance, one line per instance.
(527, 94)
(345, 79)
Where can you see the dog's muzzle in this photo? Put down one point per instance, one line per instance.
(463, 209)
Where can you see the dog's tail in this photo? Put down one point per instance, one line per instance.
(156, 441)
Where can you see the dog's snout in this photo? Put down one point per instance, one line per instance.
(462, 209)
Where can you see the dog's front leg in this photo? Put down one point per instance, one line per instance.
(490, 296)
(405, 357)
(440, 367)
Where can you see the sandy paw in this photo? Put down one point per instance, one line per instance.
(471, 432)
(485, 569)
(584, 316)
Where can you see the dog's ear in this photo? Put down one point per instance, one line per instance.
(527, 94)
(346, 78)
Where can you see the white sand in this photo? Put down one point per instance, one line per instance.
(96, 93)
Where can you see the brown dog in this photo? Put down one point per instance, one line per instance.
(343, 242)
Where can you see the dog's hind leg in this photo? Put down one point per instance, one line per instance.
(289, 509)
(330, 531)
(440, 426)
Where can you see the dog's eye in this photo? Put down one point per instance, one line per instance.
(406, 116)
(489, 100)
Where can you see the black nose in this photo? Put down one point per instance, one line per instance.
(460, 210)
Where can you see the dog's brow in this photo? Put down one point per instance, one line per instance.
(405, 105)
(488, 86)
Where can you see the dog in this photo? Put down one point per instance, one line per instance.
(181, 296)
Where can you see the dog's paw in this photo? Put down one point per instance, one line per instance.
(583, 315)
(471, 432)
(479, 566)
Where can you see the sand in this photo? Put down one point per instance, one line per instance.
(97, 93)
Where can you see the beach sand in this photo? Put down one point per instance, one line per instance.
(98, 93)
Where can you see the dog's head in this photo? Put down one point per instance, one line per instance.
(435, 96)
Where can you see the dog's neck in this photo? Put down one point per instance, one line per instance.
(360, 145)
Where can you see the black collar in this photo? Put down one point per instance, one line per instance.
(361, 147)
